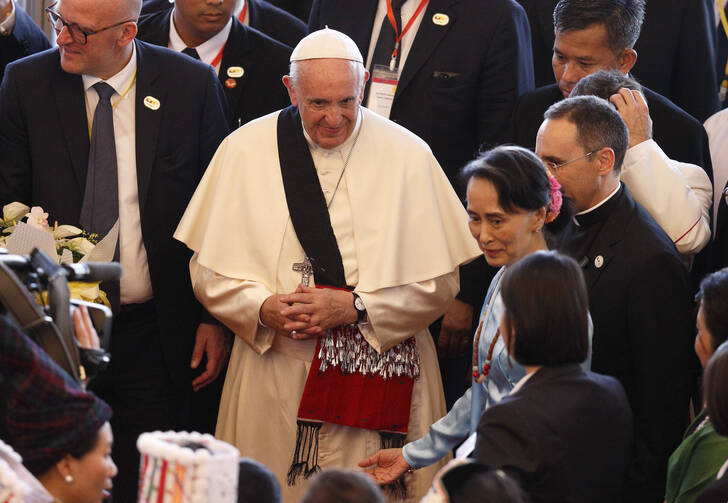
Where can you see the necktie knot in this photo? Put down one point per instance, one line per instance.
(397, 5)
(191, 52)
(104, 91)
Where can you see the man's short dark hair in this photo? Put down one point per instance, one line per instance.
(715, 384)
(604, 84)
(597, 124)
(713, 298)
(546, 305)
(622, 19)
(342, 486)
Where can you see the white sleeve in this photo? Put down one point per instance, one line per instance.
(395, 314)
(677, 195)
(234, 302)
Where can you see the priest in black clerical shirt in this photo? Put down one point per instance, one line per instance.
(639, 291)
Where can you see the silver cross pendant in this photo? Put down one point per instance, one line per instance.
(306, 270)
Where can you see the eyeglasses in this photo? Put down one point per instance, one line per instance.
(553, 167)
(78, 34)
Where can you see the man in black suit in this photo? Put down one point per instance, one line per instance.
(676, 51)
(19, 35)
(258, 14)
(594, 35)
(249, 64)
(163, 116)
(461, 66)
(639, 291)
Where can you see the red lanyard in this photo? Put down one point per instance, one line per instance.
(393, 22)
(241, 18)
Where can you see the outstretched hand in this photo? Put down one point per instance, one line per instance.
(385, 466)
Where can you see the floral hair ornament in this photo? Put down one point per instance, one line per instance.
(555, 198)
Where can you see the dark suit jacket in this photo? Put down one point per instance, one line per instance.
(675, 51)
(274, 22)
(677, 133)
(26, 38)
(566, 435)
(460, 81)
(44, 148)
(640, 302)
(299, 8)
(264, 61)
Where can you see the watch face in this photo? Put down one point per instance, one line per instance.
(359, 304)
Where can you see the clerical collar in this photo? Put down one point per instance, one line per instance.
(346, 145)
(207, 50)
(598, 211)
(123, 78)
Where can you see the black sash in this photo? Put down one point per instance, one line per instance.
(306, 201)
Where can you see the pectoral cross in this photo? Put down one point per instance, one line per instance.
(306, 270)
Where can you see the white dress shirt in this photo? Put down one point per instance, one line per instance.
(717, 128)
(136, 284)
(408, 10)
(207, 50)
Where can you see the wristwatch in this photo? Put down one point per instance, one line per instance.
(361, 311)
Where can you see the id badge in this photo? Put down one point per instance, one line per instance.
(382, 89)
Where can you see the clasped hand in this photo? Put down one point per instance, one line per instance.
(308, 312)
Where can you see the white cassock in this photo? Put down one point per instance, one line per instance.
(402, 233)
(678, 195)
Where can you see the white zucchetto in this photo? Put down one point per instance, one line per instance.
(325, 44)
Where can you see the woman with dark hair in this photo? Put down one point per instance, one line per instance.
(697, 460)
(511, 201)
(564, 433)
(61, 431)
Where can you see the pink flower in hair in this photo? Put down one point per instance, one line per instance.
(555, 199)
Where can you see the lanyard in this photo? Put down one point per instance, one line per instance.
(724, 84)
(393, 22)
(241, 18)
(121, 97)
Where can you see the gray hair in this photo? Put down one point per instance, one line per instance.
(597, 124)
(622, 19)
(295, 71)
(604, 84)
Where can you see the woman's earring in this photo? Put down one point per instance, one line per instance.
(68, 478)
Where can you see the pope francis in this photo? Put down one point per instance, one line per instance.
(328, 239)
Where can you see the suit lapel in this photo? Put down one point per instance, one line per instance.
(426, 41)
(147, 121)
(236, 51)
(71, 104)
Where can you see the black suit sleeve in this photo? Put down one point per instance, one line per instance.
(505, 441)
(506, 74)
(213, 131)
(660, 334)
(214, 127)
(695, 83)
(15, 167)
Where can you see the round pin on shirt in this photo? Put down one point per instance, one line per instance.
(235, 72)
(440, 19)
(599, 261)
